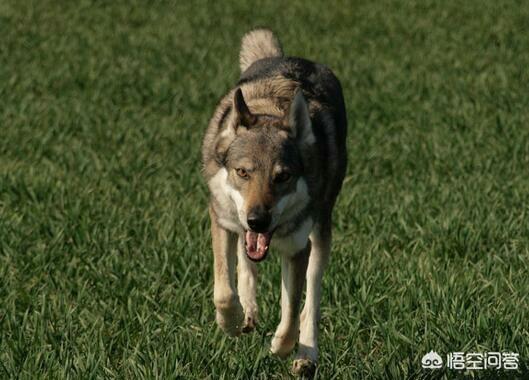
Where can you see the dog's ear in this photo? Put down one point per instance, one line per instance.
(244, 116)
(299, 120)
(240, 116)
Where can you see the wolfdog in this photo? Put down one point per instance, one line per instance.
(274, 158)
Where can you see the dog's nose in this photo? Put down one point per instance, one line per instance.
(259, 220)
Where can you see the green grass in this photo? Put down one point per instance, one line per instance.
(105, 257)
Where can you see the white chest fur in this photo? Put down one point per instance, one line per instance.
(296, 241)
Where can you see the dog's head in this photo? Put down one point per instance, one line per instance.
(263, 159)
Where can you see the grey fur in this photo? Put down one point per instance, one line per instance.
(276, 142)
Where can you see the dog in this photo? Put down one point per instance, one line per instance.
(274, 159)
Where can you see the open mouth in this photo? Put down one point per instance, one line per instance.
(257, 244)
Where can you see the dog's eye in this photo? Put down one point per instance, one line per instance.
(242, 173)
(282, 177)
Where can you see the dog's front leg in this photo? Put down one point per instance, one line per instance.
(246, 284)
(307, 355)
(229, 310)
(293, 269)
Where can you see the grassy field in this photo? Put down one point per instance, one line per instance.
(105, 256)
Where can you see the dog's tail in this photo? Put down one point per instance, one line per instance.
(258, 44)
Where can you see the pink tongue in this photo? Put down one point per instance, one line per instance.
(257, 244)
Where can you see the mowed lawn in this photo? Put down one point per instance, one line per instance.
(105, 254)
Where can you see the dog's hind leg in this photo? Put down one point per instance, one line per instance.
(246, 284)
(307, 356)
(293, 269)
(229, 310)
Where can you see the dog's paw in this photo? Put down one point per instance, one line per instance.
(230, 318)
(305, 363)
(284, 341)
(250, 316)
(249, 323)
(304, 367)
